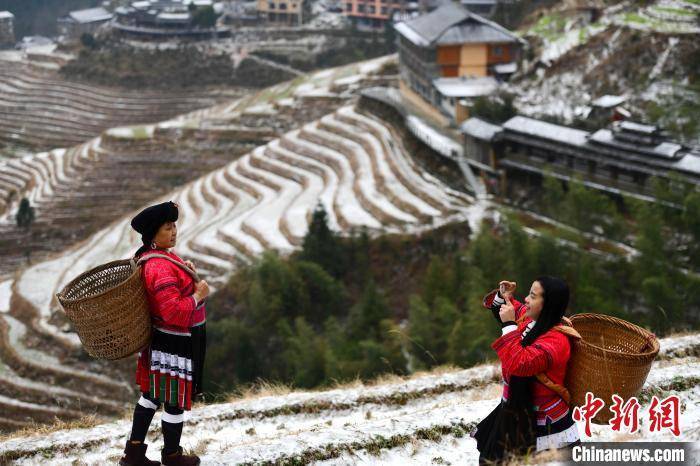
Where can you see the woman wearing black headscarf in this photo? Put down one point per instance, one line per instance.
(169, 371)
(534, 349)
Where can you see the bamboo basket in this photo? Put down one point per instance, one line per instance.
(612, 357)
(109, 309)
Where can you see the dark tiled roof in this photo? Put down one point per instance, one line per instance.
(454, 24)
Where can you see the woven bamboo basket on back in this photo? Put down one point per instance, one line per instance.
(612, 357)
(109, 309)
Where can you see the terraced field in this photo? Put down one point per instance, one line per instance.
(78, 191)
(346, 161)
(421, 420)
(41, 109)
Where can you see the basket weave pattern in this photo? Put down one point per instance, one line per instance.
(108, 307)
(612, 357)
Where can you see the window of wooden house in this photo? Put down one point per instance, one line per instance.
(361, 8)
(497, 51)
(348, 7)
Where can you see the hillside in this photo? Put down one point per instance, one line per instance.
(77, 191)
(253, 202)
(647, 53)
(41, 109)
(419, 420)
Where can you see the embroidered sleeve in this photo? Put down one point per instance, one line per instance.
(161, 283)
(522, 360)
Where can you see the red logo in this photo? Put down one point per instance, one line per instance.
(665, 414)
(627, 414)
(588, 411)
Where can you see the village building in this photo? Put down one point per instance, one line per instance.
(620, 159)
(485, 8)
(165, 19)
(79, 22)
(376, 14)
(450, 56)
(608, 108)
(7, 29)
(287, 12)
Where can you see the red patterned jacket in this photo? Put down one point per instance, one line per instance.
(169, 290)
(549, 353)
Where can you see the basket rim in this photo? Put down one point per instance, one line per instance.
(623, 323)
(61, 294)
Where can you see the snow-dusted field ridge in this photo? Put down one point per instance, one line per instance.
(349, 162)
(401, 421)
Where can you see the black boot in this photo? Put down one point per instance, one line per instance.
(135, 455)
(178, 459)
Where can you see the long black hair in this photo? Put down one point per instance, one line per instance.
(556, 298)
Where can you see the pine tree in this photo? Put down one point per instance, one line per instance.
(326, 296)
(305, 355)
(553, 195)
(365, 316)
(322, 246)
(25, 214)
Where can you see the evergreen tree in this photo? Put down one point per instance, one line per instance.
(326, 296)
(322, 246)
(438, 281)
(382, 355)
(553, 195)
(25, 214)
(366, 315)
(305, 355)
(204, 17)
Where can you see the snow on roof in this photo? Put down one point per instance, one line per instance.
(623, 111)
(608, 101)
(545, 130)
(506, 68)
(638, 127)
(141, 5)
(473, 32)
(438, 141)
(123, 10)
(665, 149)
(689, 163)
(454, 24)
(465, 87)
(6, 15)
(410, 34)
(173, 16)
(480, 129)
(478, 2)
(90, 15)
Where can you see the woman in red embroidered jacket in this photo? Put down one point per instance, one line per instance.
(534, 350)
(169, 371)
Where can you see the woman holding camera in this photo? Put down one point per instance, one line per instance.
(534, 348)
(169, 371)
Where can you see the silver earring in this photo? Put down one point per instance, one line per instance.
(153, 244)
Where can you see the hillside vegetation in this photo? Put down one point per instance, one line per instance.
(347, 308)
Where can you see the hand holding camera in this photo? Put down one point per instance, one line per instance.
(506, 289)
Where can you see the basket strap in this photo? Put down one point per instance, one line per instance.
(555, 387)
(192, 273)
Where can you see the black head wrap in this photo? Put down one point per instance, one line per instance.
(556, 298)
(149, 220)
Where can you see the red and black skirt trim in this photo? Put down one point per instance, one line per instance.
(175, 366)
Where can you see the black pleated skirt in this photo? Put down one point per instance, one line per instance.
(176, 366)
(511, 428)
